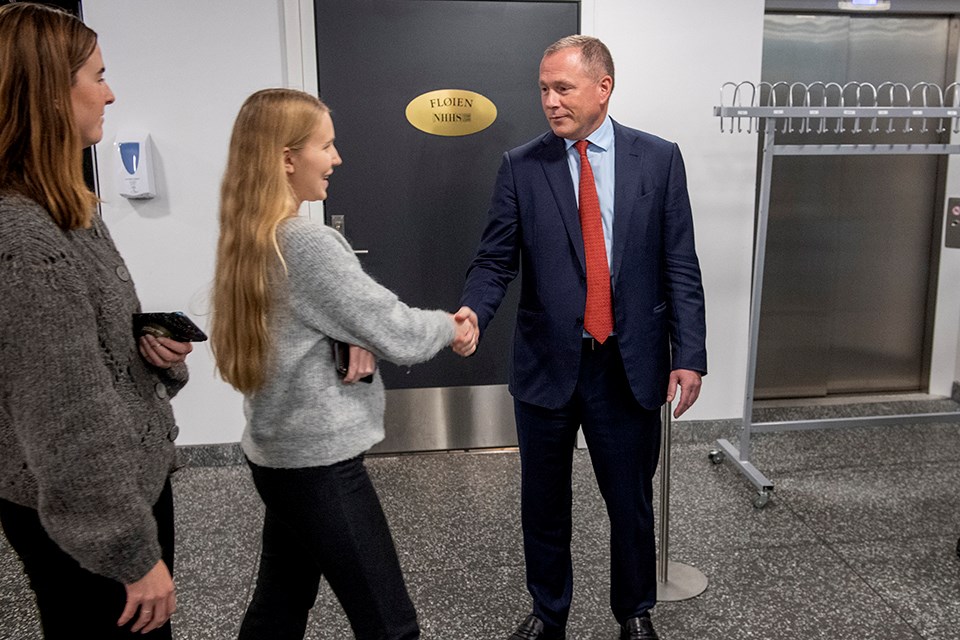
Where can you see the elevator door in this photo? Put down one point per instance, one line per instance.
(416, 203)
(849, 250)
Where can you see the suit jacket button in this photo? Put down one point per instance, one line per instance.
(123, 274)
(174, 433)
(579, 321)
(161, 390)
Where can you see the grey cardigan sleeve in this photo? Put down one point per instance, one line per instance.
(72, 427)
(174, 378)
(331, 293)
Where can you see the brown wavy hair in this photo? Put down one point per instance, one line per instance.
(41, 154)
(255, 197)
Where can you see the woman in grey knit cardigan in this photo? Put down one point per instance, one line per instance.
(285, 288)
(86, 428)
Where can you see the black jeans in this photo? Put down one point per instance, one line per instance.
(73, 602)
(326, 522)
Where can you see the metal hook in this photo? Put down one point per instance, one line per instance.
(771, 99)
(805, 122)
(940, 127)
(856, 121)
(823, 103)
(843, 103)
(792, 88)
(890, 86)
(926, 87)
(773, 91)
(739, 101)
(863, 85)
(723, 103)
(906, 125)
(826, 93)
(946, 92)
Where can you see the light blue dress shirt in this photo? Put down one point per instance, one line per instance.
(600, 153)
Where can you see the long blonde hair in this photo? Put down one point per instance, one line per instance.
(41, 154)
(255, 197)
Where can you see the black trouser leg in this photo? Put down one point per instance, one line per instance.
(327, 521)
(73, 602)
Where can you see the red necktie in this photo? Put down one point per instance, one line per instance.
(598, 315)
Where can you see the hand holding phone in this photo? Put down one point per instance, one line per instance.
(341, 359)
(174, 325)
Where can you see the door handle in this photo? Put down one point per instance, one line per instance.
(338, 223)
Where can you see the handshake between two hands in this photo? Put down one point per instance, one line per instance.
(683, 382)
(467, 332)
(362, 363)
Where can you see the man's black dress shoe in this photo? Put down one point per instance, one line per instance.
(639, 628)
(532, 629)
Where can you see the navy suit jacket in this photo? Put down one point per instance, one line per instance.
(534, 229)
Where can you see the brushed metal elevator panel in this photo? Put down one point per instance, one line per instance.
(848, 266)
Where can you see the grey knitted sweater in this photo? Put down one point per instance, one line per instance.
(305, 415)
(86, 427)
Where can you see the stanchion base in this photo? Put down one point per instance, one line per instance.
(683, 582)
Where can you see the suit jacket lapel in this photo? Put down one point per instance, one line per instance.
(628, 161)
(553, 159)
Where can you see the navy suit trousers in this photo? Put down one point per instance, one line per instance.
(623, 440)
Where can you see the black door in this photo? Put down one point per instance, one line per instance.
(417, 202)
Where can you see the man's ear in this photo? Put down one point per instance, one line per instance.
(288, 165)
(606, 88)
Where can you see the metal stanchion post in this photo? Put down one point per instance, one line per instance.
(675, 580)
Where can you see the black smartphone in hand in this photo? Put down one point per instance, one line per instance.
(171, 324)
(341, 359)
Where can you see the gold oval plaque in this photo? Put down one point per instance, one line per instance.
(451, 112)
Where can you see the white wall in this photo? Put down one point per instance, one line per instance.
(671, 60)
(945, 361)
(182, 68)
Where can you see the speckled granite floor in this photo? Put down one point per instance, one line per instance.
(857, 543)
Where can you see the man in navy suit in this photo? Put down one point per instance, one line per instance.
(611, 375)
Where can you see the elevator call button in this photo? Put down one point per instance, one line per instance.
(951, 235)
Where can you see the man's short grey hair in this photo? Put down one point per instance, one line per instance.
(594, 54)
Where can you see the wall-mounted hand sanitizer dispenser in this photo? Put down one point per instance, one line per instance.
(135, 165)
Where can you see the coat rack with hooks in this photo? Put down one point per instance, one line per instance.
(874, 111)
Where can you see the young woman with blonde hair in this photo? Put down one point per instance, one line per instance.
(285, 288)
(86, 428)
